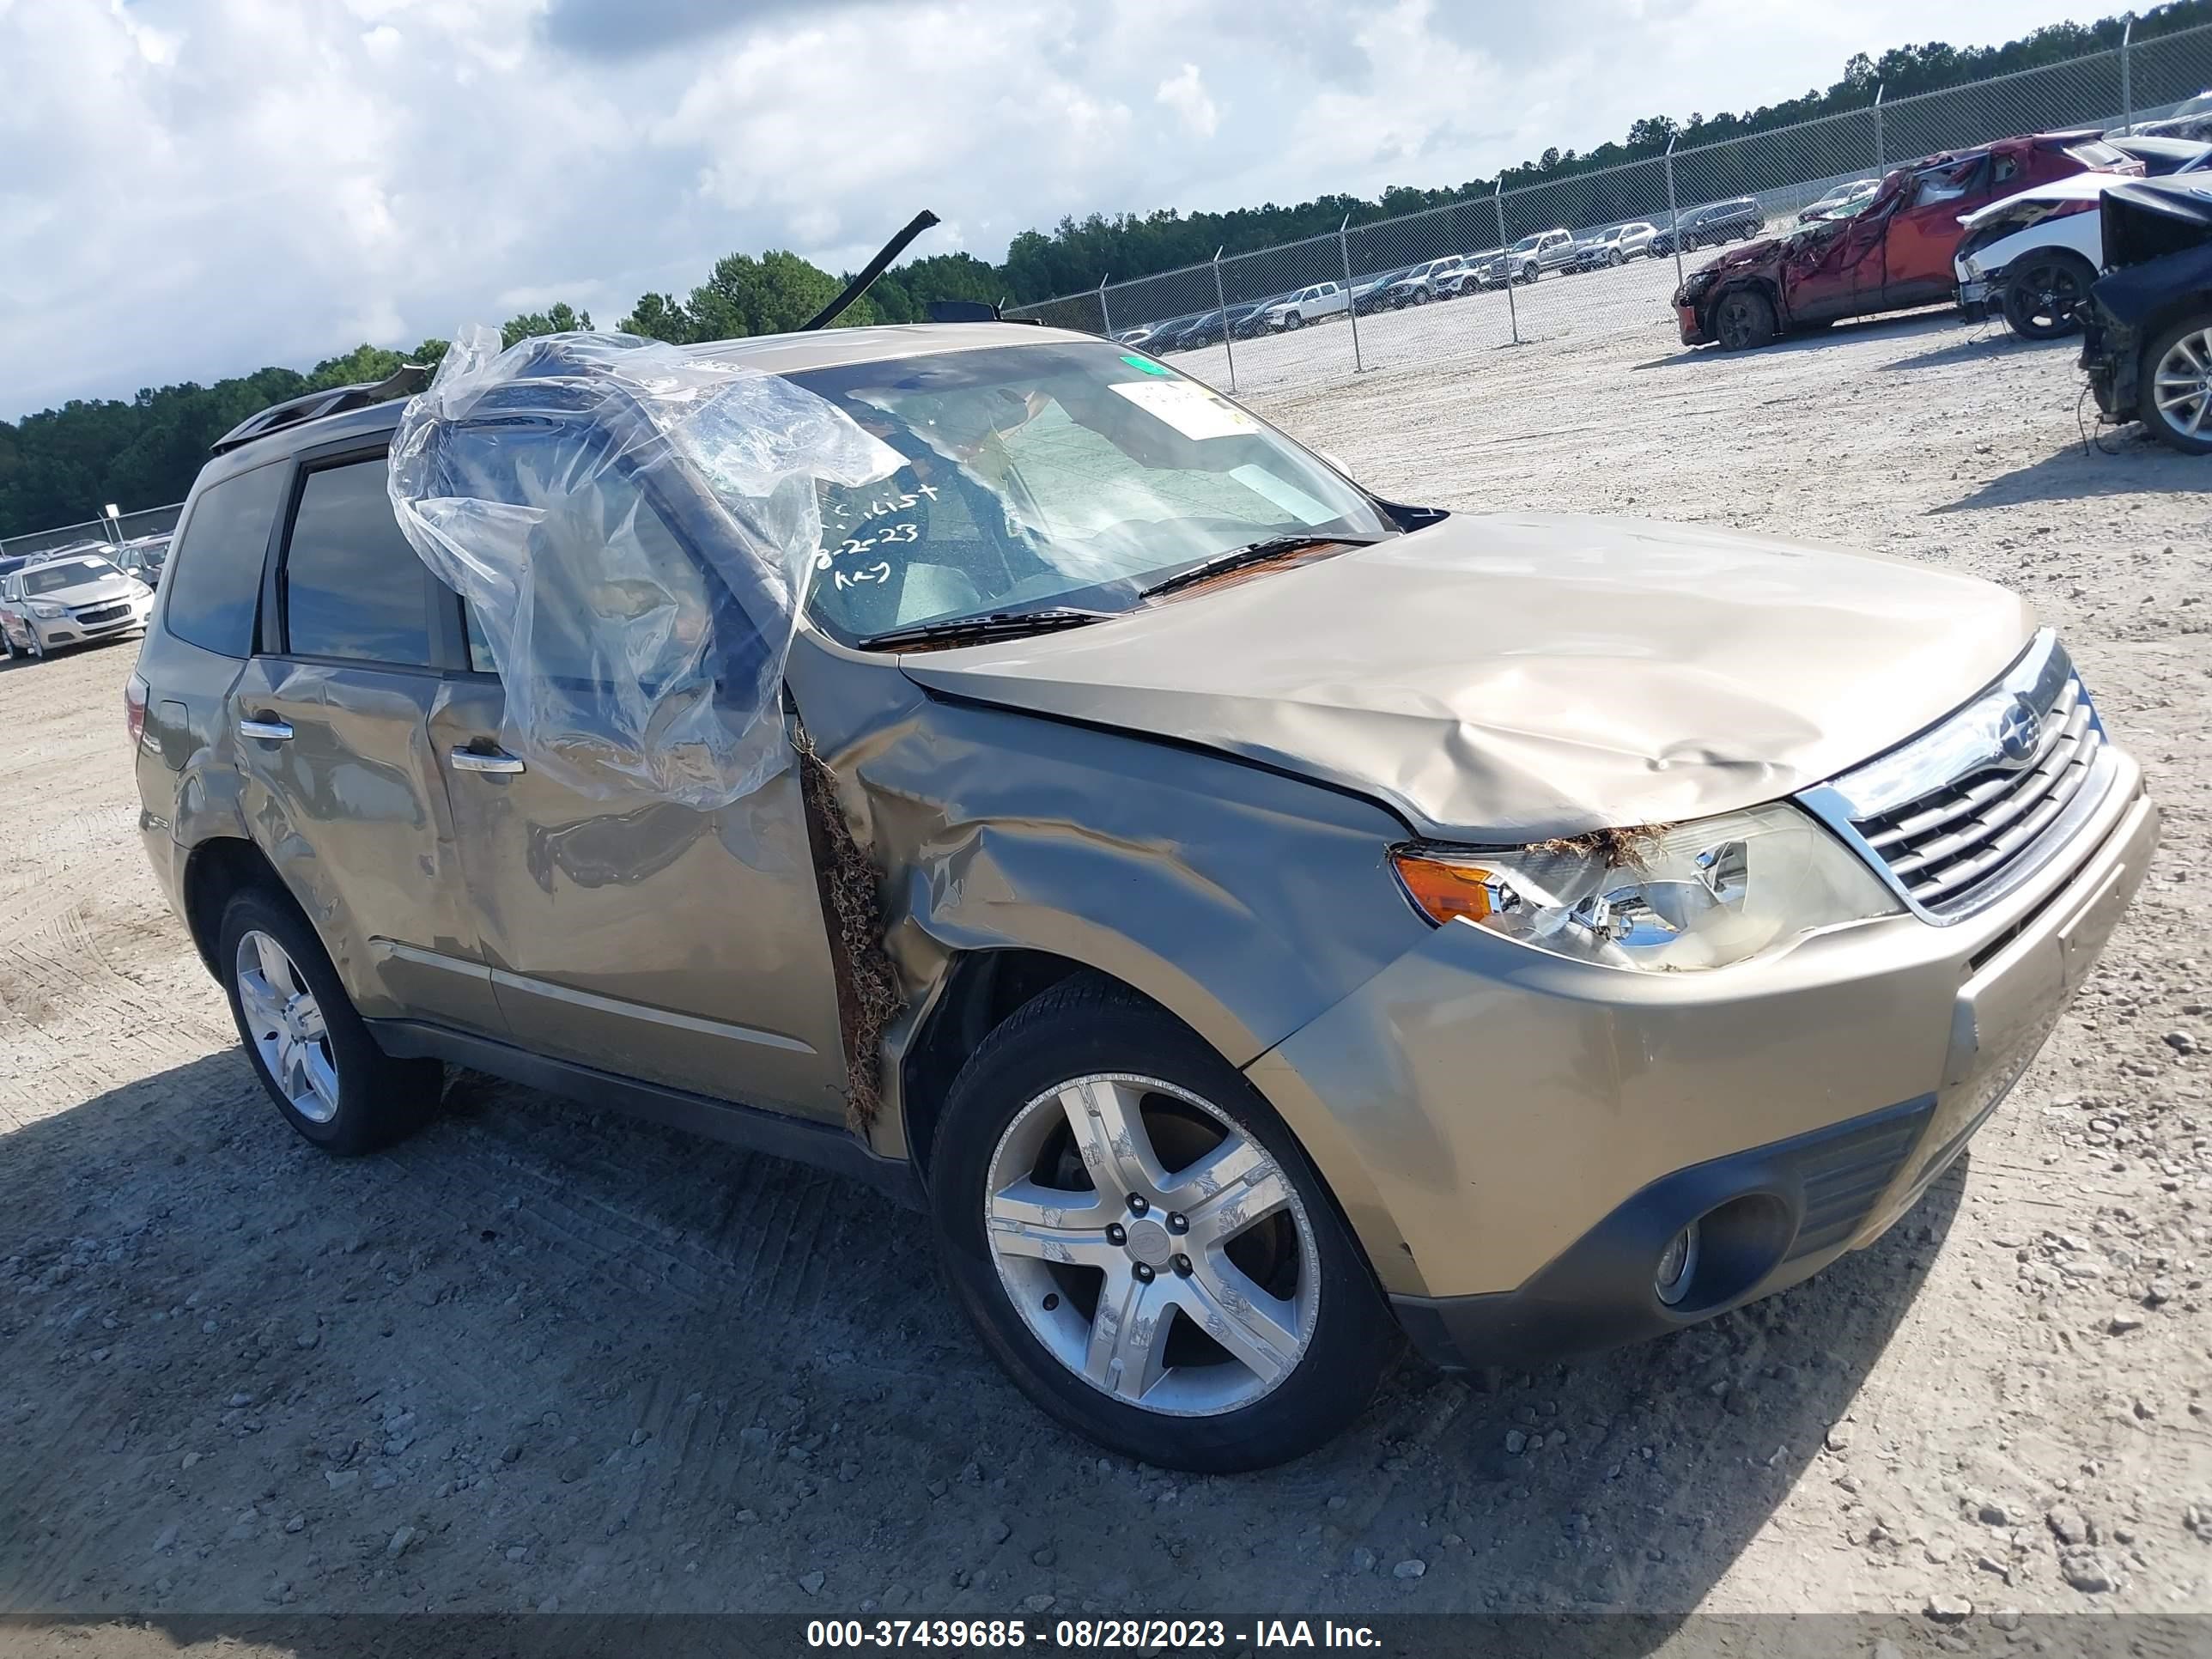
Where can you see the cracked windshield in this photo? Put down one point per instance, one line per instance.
(1044, 476)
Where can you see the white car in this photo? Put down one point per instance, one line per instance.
(69, 600)
(2031, 257)
(1308, 305)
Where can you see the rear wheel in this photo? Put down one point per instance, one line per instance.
(2043, 292)
(306, 1044)
(1743, 319)
(2175, 401)
(1142, 1244)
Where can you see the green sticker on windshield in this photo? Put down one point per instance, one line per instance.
(1146, 364)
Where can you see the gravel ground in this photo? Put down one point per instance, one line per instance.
(540, 1357)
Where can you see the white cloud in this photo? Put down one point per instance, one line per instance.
(198, 187)
(1184, 92)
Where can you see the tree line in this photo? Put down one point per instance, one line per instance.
(59, 464)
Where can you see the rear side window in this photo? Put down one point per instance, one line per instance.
(353, 587)
(214, 583)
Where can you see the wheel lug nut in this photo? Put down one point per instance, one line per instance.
(1144, 1273)
(1178, 1222)
(1115, 1234)
(1137, 1204)
(1183, 1266)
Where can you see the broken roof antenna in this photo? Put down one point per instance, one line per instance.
(875, 268)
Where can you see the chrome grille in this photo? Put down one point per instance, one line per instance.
(1945, 844)
(1965, 810)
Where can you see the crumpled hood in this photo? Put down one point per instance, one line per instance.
(1499, 679)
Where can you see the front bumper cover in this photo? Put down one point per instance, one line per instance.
(1515, 1138)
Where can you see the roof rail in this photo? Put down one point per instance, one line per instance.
(408, 380)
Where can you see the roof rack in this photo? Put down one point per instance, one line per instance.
(408, 380)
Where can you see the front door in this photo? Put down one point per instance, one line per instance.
(1924, 232)
(344, 791)
(634, 935)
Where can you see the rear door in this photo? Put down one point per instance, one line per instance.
(634, 934)
(342, 788)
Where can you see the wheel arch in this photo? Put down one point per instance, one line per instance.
(215, 870)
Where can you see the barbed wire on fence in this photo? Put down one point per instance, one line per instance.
(1494, 257)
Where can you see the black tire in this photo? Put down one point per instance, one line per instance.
(37, 645)
(1743, 319)
(1616, 257)
(1294, 319)
(1422, 296)
(2041, 292)
(1086, 1026)
(379, 1099)
(2156, 421)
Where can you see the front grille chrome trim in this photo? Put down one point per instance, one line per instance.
(1951, 820)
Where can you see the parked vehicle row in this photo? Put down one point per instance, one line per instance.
(1896, 252)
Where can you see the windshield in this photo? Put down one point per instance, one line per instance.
(52, 578)
(1048, 475)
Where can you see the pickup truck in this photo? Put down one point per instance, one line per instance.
(1308, 305)
(1530, 258)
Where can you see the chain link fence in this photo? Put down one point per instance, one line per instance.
(148, 521)
(1593, 252)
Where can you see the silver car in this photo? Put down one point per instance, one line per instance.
(69, 600)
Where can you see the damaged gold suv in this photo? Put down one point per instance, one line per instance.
(1249, 917)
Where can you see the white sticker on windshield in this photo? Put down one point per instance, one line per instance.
(1189, 408)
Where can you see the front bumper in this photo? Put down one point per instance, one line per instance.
(73, 630)
(1690, 325)
(1977, 298)
(1515, 1137)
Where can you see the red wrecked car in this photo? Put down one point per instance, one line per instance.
(1892, 255)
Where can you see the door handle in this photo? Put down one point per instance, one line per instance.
(477, 760)
(267, 730)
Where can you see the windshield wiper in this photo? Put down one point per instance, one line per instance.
(976, 630)
(1258, 553)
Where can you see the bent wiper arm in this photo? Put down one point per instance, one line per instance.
(974, 631)
(1258, 553)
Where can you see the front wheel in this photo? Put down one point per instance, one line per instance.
(1294, 320)
(2043, 292)
(1421, 296)
(1616, 257)
(1142, 1244)
(2175, 399)
(1743, 320)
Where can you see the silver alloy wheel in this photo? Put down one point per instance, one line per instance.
(286, 1025)
(2182, 386)
(1148, 1248)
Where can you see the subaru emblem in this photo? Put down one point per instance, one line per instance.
(2019, 730)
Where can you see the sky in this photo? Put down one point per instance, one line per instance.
(198, 188)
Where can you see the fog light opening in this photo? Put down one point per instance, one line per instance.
(1678, 1266)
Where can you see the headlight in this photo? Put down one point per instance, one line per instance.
(1677, 899)
(45, 612)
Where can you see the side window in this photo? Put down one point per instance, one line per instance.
(352, 585)
(2006, 166)
(214, 583)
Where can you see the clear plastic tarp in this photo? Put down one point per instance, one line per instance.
(633, 528)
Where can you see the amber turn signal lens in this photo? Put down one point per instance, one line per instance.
(1442, 891)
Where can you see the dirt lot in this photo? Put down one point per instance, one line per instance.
(542, 1358)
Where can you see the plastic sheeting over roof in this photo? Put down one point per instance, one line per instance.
(634, 527)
